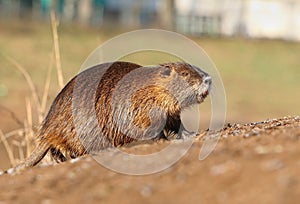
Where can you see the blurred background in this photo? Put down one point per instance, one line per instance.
(254, 44)
(247, 18)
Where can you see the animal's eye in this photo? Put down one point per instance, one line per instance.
(165, 72)
(184, 73)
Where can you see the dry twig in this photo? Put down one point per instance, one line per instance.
(8, 149)
(56, 50)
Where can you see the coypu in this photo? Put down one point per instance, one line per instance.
(116, 103)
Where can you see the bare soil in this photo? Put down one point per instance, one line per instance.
(252, 163)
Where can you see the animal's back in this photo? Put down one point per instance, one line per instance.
(58, 133)
(88, 94)
(116, 103)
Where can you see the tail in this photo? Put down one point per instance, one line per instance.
(36, 156)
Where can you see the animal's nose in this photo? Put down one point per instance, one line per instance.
(207, 80)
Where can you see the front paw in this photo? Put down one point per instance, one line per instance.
(185, 134)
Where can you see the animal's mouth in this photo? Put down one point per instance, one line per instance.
(204, 88)
(203, 95)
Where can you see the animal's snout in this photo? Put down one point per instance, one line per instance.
(207, 80)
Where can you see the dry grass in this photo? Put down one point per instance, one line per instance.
(8, 148)
(54, 24)
(261, 77)
(20, 142)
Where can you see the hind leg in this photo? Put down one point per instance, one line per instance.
(57, 155)
(161, 136)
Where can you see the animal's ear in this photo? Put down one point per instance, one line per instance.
(165, 71)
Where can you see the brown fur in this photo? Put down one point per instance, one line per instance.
(68, 131)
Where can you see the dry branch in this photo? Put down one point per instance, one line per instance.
(56, 50)
(8, 149)
(46, 88)
(13, 115)
(28, 79)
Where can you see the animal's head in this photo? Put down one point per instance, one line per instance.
(188, 83)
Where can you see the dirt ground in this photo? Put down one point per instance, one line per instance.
(252, 163)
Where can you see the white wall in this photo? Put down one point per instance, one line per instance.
(261, 18)
(267, 18)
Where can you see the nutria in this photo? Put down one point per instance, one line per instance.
(116, 103)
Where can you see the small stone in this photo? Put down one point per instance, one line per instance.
(46, 201)
(100, 191)
(220, 169)
(71, 175)
(236, 132)
(85, 165)
(255, 131)
(261, 150)
(146, 191)
(228, 125)
(46, 164)
(225, 135)
(278, 149)
(75, 160)
(246, 135)
(273, 165)
(89, 159)
(11, 171)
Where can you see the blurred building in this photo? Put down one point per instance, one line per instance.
(248, 18)
(272, 19)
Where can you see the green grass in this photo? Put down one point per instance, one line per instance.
(261, 77)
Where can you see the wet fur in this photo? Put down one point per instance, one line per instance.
(169, 87)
